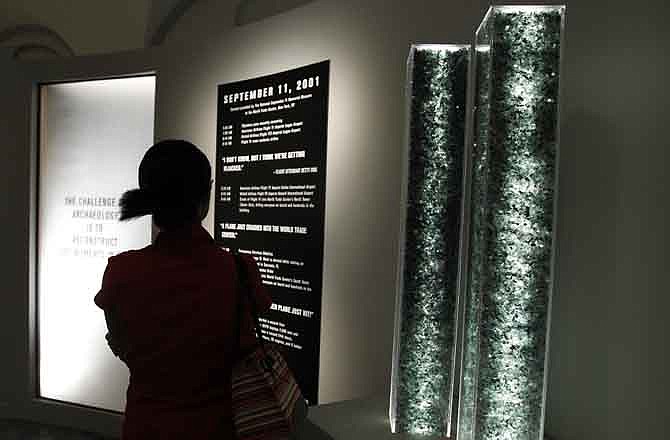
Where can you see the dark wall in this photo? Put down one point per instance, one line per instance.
(606, 329)
(14, 229)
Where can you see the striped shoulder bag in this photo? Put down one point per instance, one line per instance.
(266, 401)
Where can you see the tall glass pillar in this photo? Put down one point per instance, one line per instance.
(427, 301)
(514, 161)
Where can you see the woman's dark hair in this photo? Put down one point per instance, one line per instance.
(174, 178)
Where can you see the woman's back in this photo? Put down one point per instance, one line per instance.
(172, 309)
(176, 301)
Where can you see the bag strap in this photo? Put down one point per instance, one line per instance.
(239, 308)
(244, 286)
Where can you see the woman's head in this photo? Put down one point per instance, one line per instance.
(175, 183)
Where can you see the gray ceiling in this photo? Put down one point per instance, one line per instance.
(88, 26)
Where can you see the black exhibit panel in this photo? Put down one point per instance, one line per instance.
(270, 200)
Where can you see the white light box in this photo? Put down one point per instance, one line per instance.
(93, 135)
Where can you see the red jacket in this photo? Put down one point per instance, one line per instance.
(176, 304)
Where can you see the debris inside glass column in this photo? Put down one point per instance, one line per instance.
(427, 304)
(514, 169)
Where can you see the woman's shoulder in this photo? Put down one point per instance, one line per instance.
(129, 261)
(119, 270)
(130, 255)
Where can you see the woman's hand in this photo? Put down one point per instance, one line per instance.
(115, 335)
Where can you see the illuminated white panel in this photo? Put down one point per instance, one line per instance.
(93, 136)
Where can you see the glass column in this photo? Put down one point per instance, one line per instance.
(514, 161)
(427, 301)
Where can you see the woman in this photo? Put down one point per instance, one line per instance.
(171, 308)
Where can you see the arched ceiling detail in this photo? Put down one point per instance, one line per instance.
(34, 41)
(163, 15)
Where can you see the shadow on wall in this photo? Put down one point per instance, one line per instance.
(164, 14)
(587, 247)
(249, 11)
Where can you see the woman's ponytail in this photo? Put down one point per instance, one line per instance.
(174, 181)
(136, 203)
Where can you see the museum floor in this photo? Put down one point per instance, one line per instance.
(21, 430)
(361, 419)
